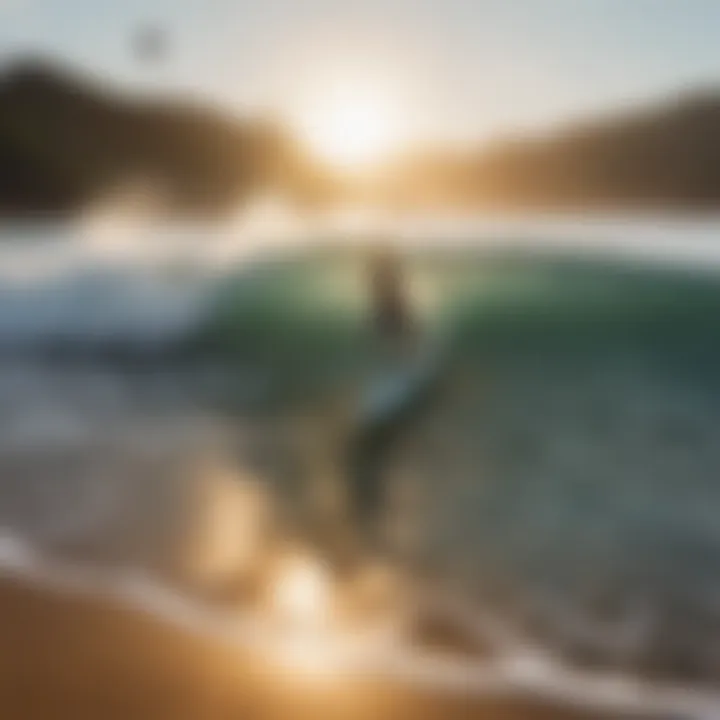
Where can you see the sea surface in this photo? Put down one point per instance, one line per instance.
(173, 395)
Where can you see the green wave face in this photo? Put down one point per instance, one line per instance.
(308, 314)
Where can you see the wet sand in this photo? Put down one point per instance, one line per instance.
(67, 656)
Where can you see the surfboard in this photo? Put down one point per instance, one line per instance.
(389, 393)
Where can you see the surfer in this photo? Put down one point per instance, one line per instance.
(392, 320)
(391, 398)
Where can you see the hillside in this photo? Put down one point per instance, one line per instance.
(666, 156)
(66, 142)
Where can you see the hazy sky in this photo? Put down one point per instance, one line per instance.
(456, 67)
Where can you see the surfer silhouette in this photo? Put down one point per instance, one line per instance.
(387, 401)
(391, 316)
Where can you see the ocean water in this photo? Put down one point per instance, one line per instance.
(171, 396)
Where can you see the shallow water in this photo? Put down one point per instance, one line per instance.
(562, 481)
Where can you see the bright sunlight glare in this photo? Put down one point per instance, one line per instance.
(301, 592)
(350, 126)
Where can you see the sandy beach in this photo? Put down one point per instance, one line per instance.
(68, 656)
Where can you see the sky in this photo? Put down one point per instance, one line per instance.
(455, 69)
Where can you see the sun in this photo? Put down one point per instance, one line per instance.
(348, 126)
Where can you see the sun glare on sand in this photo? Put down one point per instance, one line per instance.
(348, 125)
(301, 593)
(300, 600)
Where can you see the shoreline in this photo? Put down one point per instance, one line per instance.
(86, 642)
